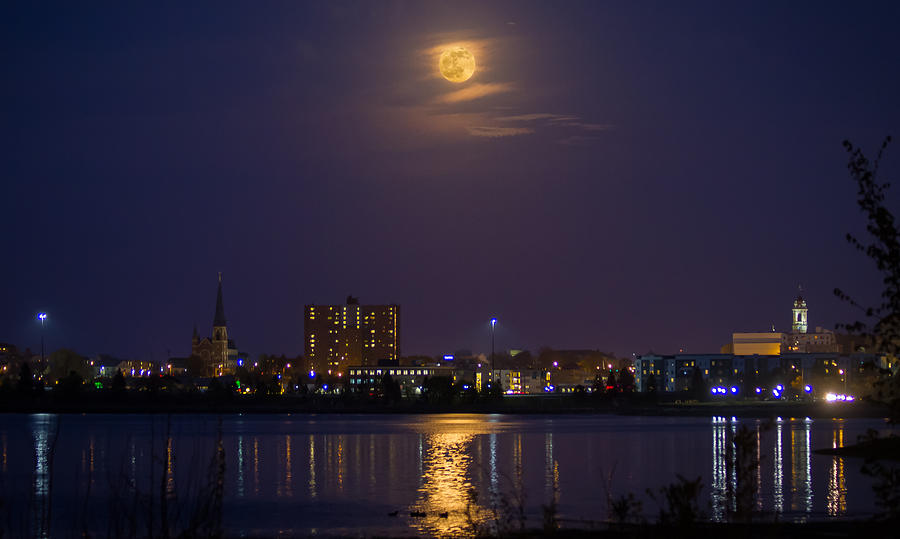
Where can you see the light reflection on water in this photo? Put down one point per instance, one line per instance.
(445, 485)
(459, 470)
(725, 466)
(837, 487)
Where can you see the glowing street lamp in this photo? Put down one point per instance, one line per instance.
(42, 317)
(493, 323)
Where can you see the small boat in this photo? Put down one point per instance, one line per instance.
(417, 514)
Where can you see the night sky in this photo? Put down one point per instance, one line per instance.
(623, 176)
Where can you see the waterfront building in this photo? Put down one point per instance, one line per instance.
(336, 336)
(218, 354)
(367, 379)
(822, 371)
(523, 381)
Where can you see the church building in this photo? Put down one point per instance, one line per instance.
(217, 353)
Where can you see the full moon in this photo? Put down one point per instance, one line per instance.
(457, 64)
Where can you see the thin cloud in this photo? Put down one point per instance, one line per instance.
(557, 118)
(497, 132)
(531, 117)
(475, 91)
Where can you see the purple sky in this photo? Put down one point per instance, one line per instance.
(628, 176)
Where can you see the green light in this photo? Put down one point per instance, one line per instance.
(238, 384)
(98, 385)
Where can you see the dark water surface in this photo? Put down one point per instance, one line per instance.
(343, 474)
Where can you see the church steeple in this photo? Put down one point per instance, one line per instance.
(799, 322)
(220, 333)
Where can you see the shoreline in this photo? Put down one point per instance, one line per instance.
(511, 406)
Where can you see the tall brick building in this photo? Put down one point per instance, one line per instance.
(336, 336)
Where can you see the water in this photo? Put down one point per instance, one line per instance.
(344, 474)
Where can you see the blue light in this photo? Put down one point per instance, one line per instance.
(758, 390)
(42, 316)
(734, 389)
(714, 390)
(779, 387)
(448, 357)
(312, 374)
(493, 322)
(240, 363)
(325, 387)
(808, 388)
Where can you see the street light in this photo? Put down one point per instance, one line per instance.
(42, 317)
(493, 323)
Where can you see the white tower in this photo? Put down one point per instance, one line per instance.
(798, 318)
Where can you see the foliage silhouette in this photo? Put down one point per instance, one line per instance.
(880, 323)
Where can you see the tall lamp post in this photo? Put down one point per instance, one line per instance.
(493, 323)
(42, 317)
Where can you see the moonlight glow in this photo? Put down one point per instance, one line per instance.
(457, 64)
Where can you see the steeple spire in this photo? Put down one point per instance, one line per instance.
(219, 319)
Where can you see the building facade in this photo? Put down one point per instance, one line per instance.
(523, 381)
(799, 340)
(821, 371)
(336, 336)
(362, 378)
(217, 354)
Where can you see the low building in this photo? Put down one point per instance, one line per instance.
(365, 379)
(762, 344)
(568, 380)
(133, 367)
(523, 382)
(823, 370)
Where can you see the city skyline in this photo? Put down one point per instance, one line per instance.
(391, 329)
(596, 175)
